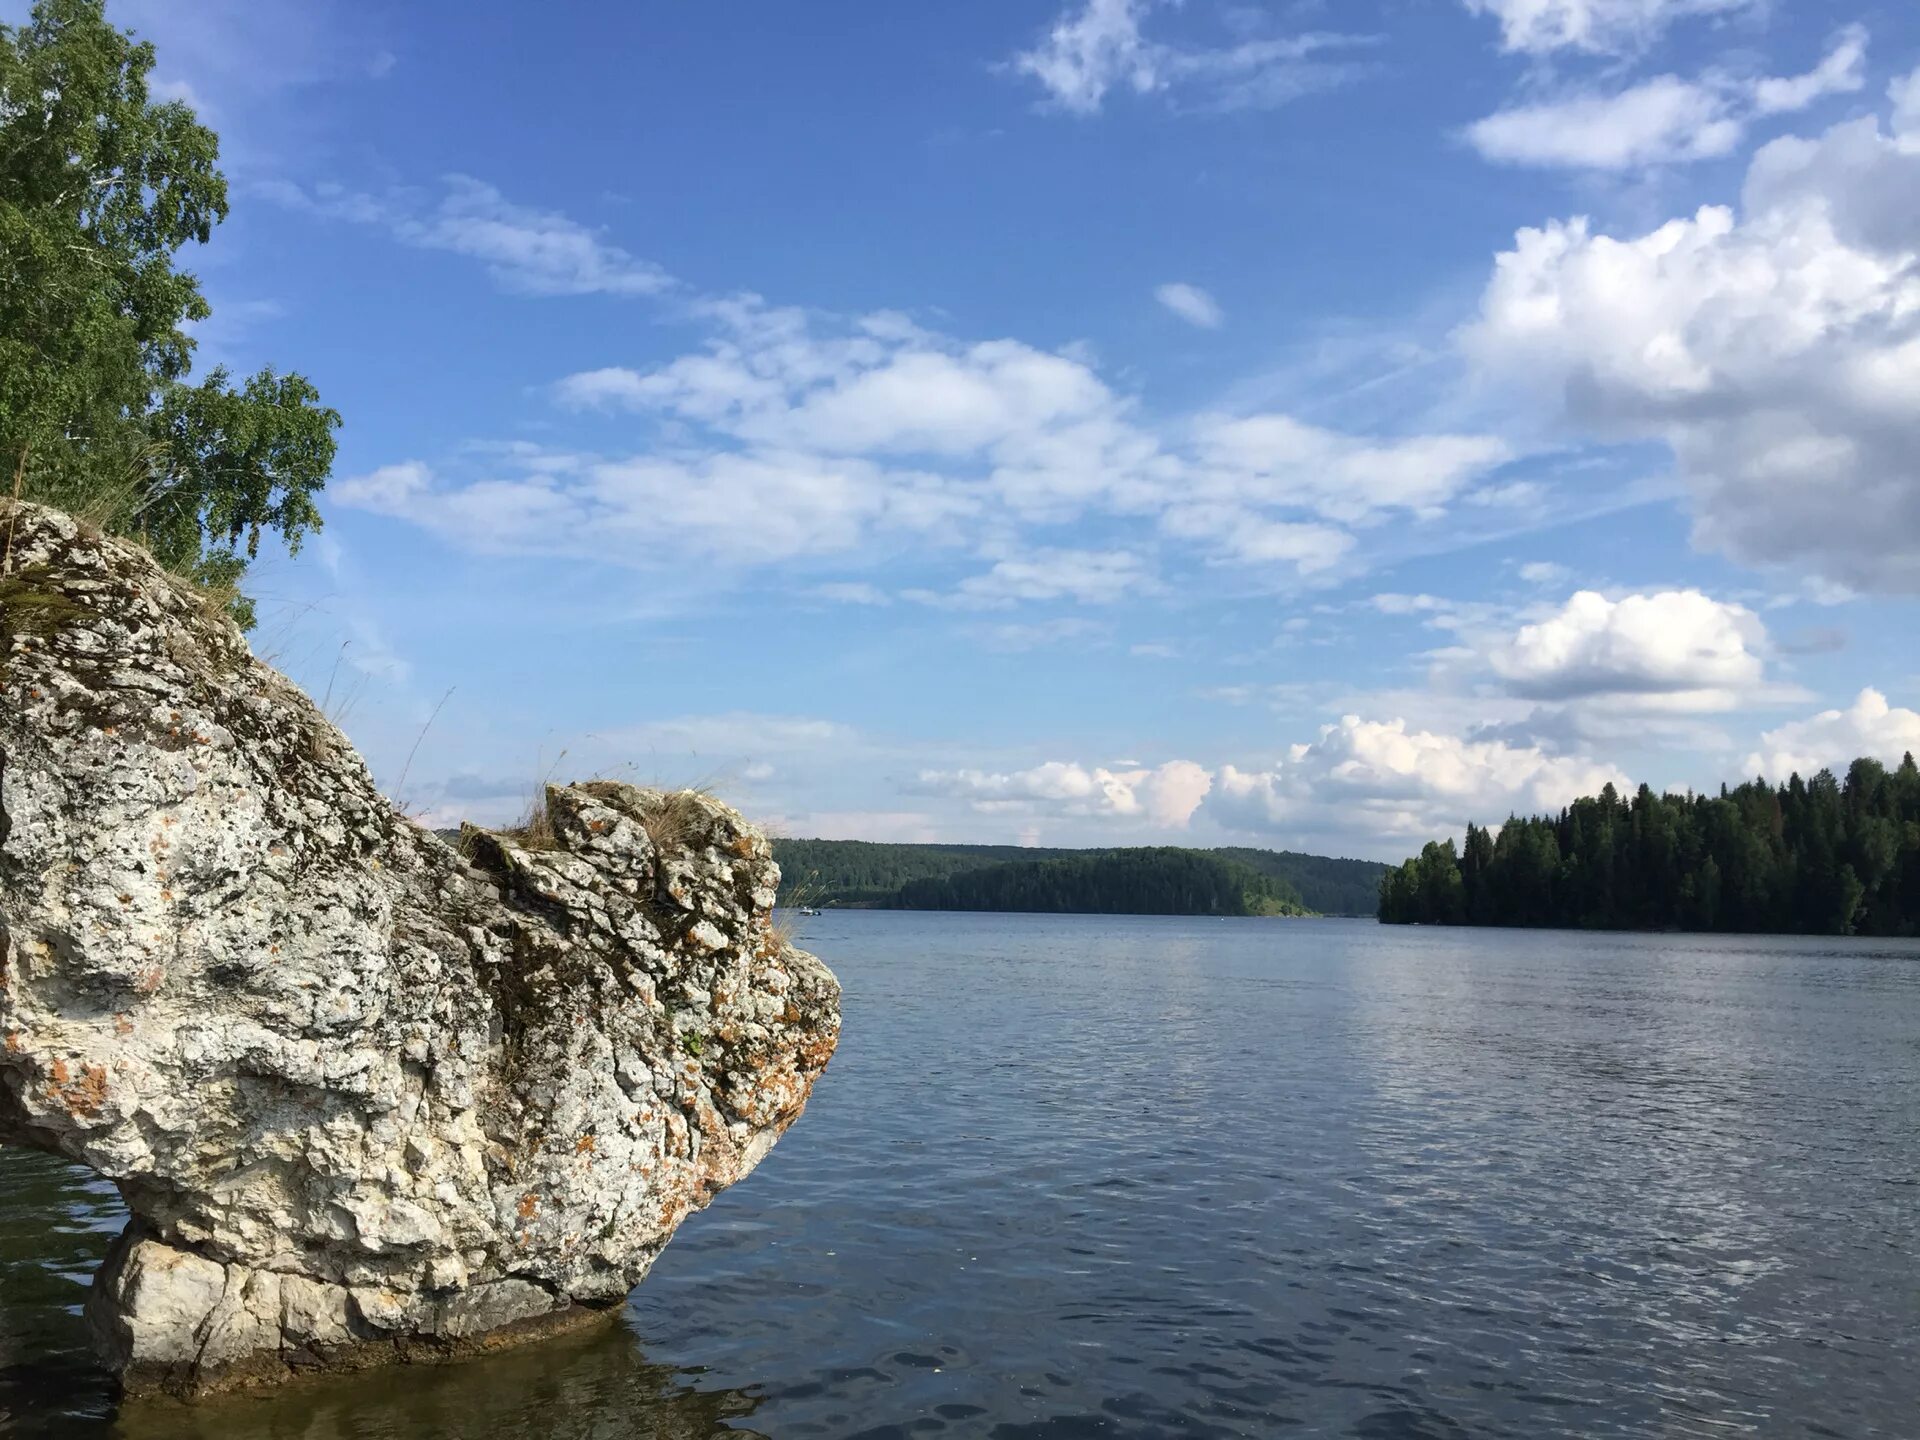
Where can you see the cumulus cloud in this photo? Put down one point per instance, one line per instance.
(1776, 350)
(999, 436)
(1166, 795)
(1101, 47)
(1191, 304)
(1383, 782)
(1678, 645)
(1834, 738)
(1665, 120)
(1538, 27)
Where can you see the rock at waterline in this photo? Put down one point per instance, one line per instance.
(367, 1095)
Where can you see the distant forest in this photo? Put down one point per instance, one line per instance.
(1148, 881)
(1814, 857)
(1164, 880)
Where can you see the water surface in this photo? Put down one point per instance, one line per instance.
(1080, 1176)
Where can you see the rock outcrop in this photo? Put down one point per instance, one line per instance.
(368, 1095)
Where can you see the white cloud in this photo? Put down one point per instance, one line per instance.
(1033, 437)
(1377, 781)
(1776, 351)
(1191, 304)
(1544, 572)
(1538, 27)
(1277, 460)
(1905, 94)
(852, 592)
(1018, 636)
(389, 490)
(1239, 536)
(1843, 71)
(1092, 577)
(1101, 47)
(235, 58)
(1834, 738)
(1678, 645)
(1085, 55)
(1166, 795)
(1392, 603)
(1665, 120)
(747, 509)
(884, 387)
(529, 251)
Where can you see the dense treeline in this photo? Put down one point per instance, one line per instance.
(1812, 856)
(860, 872)
(1157, 880)
(864, 872)
(1325, 885)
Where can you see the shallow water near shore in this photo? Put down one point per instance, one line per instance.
(1086, 1176)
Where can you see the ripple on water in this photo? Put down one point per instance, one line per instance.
(1073, 1176)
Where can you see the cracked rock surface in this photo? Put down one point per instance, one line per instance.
(368, 1095)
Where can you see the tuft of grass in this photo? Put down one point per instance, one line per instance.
(782, 928)
(112, 509)
(668, 817)
(535, 828)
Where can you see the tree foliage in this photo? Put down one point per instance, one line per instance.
(1154, 880)
(864, 872)
(1325, 885)
(1817, 856)
(100, 189)
(861, 872)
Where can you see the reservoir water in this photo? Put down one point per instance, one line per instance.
(1079, 1176)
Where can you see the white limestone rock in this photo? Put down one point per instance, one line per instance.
(366, 1094)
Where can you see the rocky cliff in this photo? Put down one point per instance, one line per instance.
(368, 1095)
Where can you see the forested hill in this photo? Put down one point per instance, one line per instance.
(860, 872)
(1818, 856)
(1325, 885)
(1148, 881)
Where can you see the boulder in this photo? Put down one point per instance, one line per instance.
(368, 1094)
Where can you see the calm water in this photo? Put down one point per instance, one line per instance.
(1075, 1176)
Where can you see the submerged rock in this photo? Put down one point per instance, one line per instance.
(367, 1095)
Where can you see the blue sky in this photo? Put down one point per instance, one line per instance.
(1304, 425)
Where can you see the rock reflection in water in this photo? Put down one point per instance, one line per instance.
(56, 1221)
(579, 1387)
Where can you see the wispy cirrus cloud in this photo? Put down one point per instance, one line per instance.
(1191, 304)
(1101, 47)
(1666, 120)
(524, 249)
(1540, 27)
